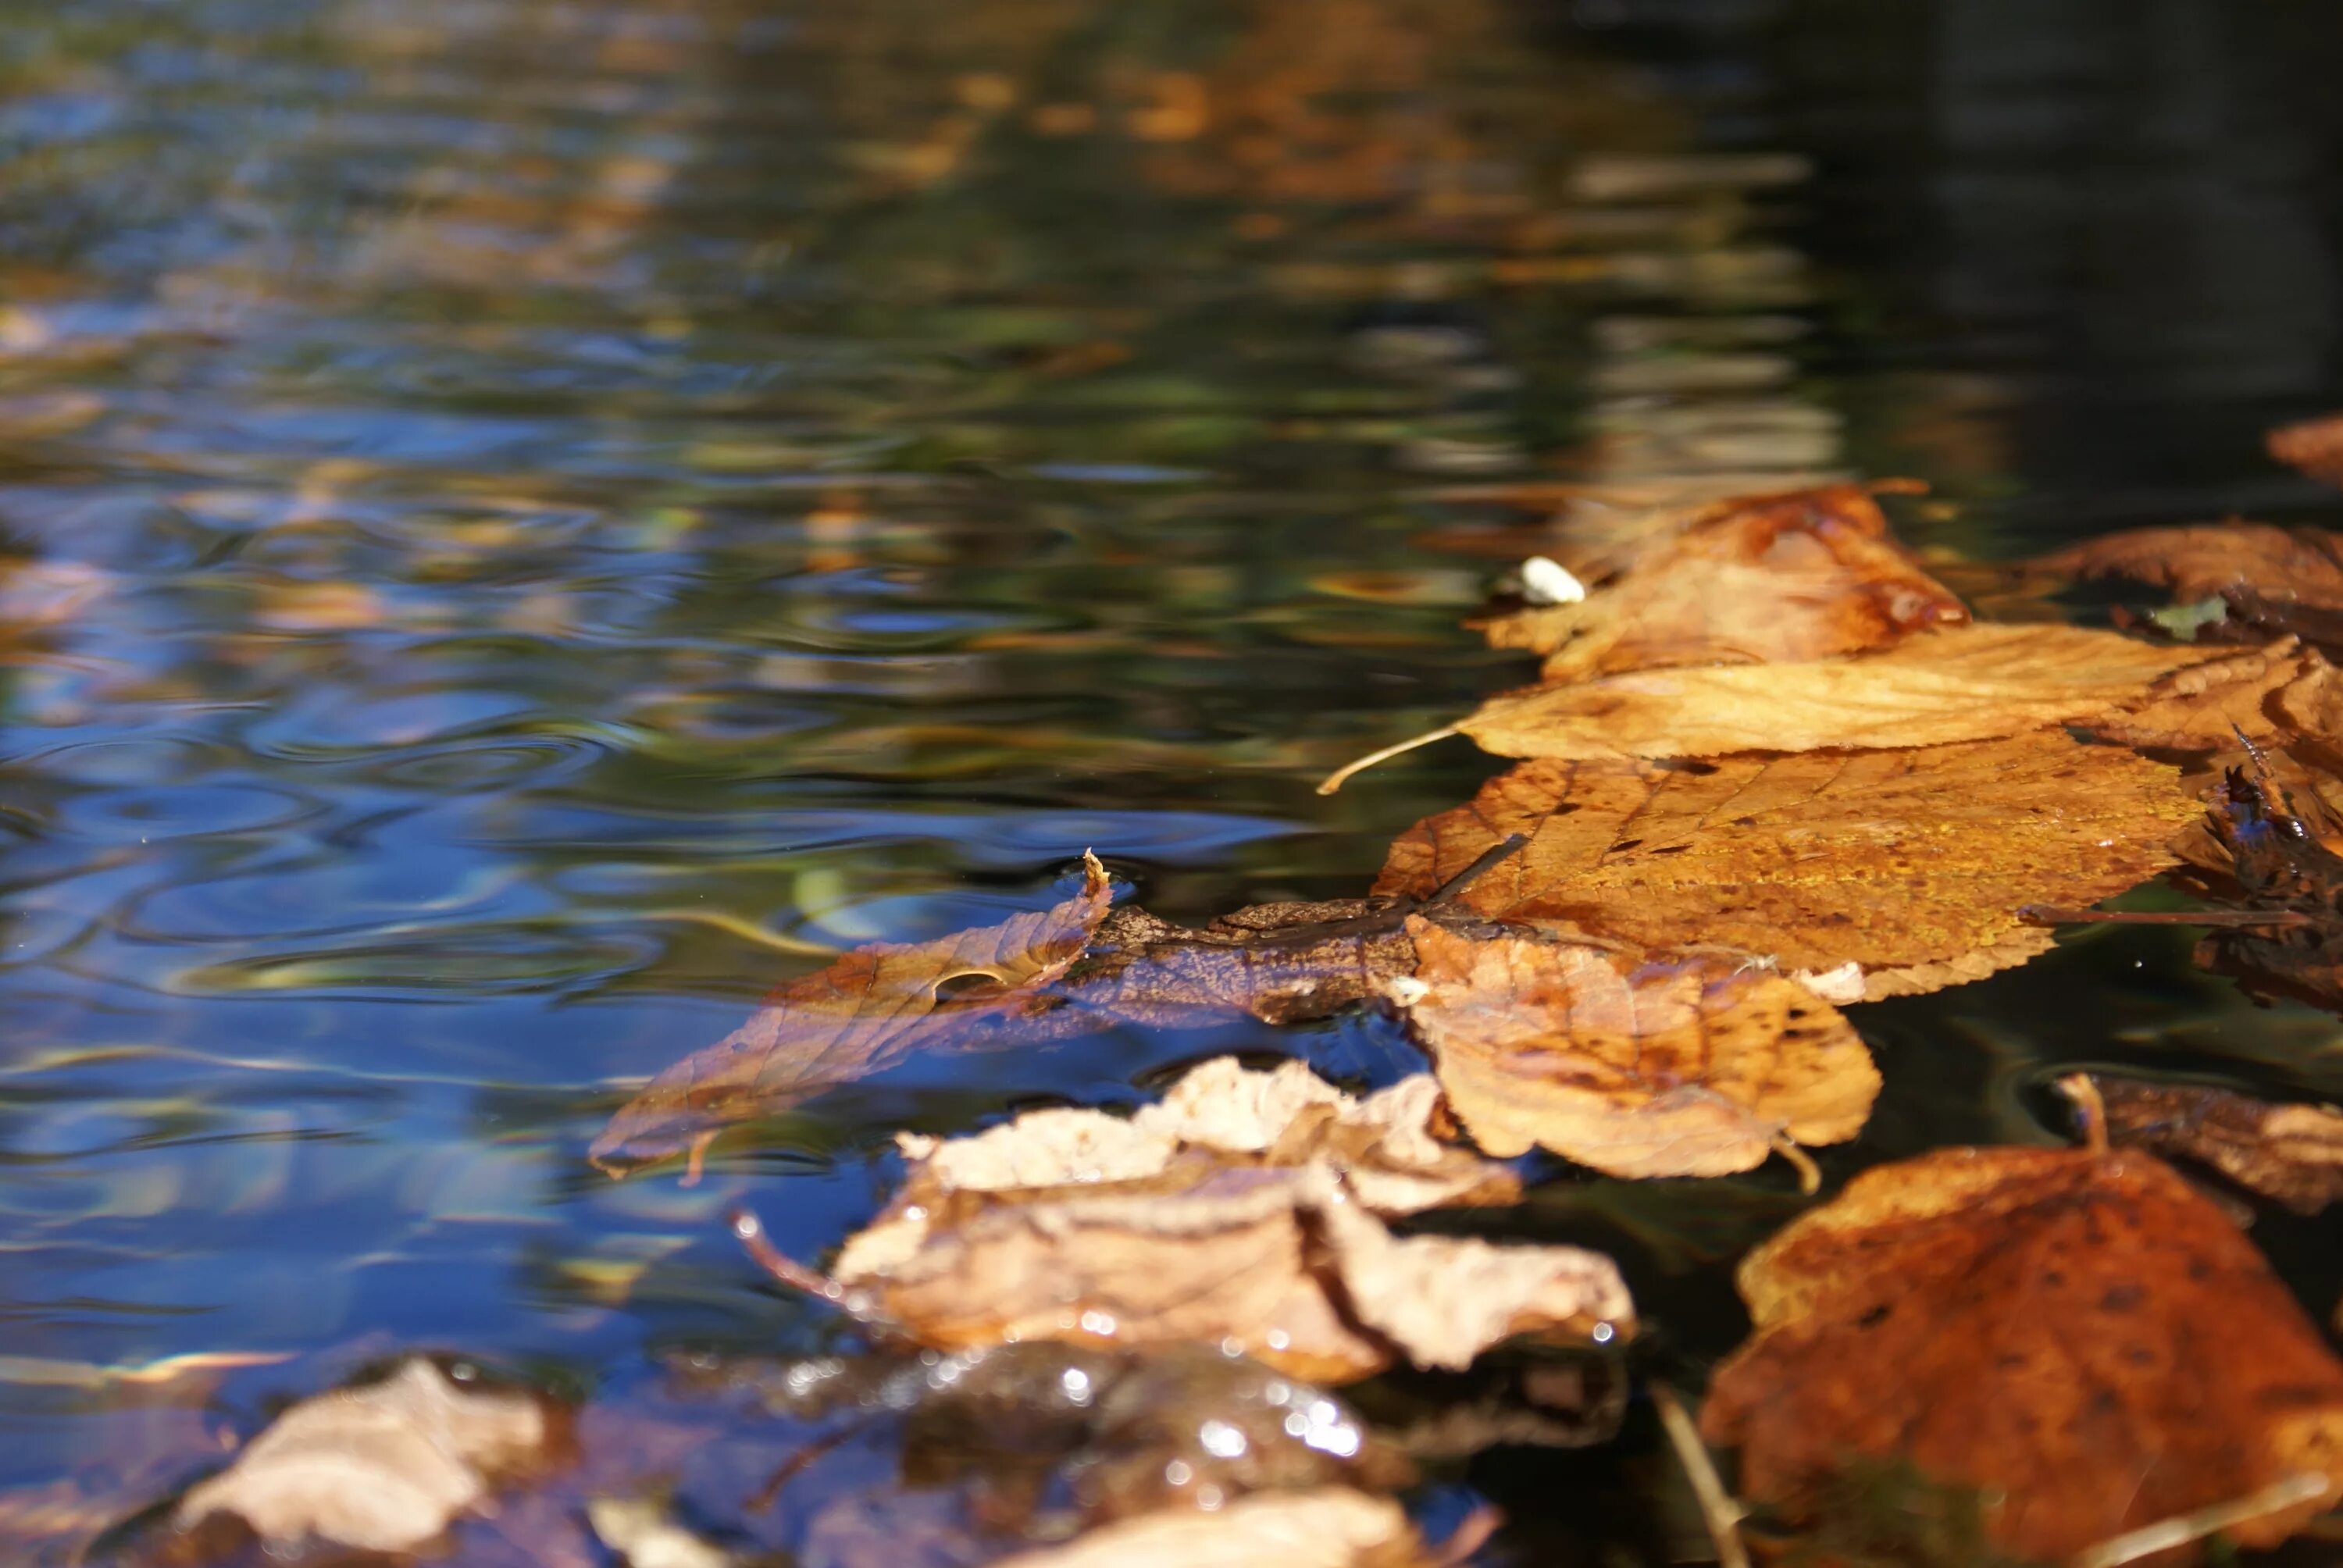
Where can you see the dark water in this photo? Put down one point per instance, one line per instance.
(536, 520)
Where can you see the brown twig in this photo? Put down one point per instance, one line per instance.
(1718, 1508)
(1482, 864)
(2053, 915)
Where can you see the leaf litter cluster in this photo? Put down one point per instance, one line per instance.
(1773, 768)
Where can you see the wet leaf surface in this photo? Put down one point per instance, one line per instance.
(2205, 708)
(1279, 963)
(1326, 1528)
(1805, 576)
(2292, 1154)
(869, 1009)
(1637, 1064)
(2079, 1335)
(1959, 683)
(1914, 865)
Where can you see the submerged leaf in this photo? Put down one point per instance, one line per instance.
(1912, 864)
(862, 1013)
(2293, 1153)
(2079, 1335)
(1667, 1065)
(378, 1469)
(1778, 577)
(1328, 1527)
(1277, 962)
(1960, 683)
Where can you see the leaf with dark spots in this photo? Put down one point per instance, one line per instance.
(2079, 1336)
(869, 1009)
(2292, 1154)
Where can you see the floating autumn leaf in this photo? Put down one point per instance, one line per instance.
(1326, 1527)
(1240, 1215)
(1958, 683)
(2313, 446)
(1660, 1065)
(2204, 560)
(1914, 865)
(2293, 1153)
(1804, 576)
(2079, 1335)
(865, 1011)
(378, 1469)
(2205, 707)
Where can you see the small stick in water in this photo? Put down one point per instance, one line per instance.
(1719, 1509)
(2184, 1528)
(2052, 915)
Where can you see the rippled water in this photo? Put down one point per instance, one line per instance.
(533, 521)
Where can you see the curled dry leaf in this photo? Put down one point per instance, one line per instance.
(2313, 446)
(1055, 1227)
(1912, 864)
(2205, 708)
(2203, 560)
(2292, 1154)
(380, 1469)
(1663, 1065)
(862, 1013)
(2081, 1335)
(1782, 578)
(1326, 1527)
(1959, 683)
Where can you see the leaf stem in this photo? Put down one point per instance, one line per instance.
(1718, 1508)
(1342, 775)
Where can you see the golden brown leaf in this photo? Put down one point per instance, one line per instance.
(2204, 707)
(2080, 1334)
(865, 1011)
(1242, 1213)
(378, 1469)
(1326, 1527)
(1662, 1065)
(2203, 559)
(1912, 864)
(1782, 578)
(2313, 446)
(1959, 683)
(2293, 1153)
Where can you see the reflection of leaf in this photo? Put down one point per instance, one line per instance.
(1684, 1065)
(1329, 1527)
(378, 1469)
(2081, 1334)
(1960, 683)
(2293, 1153)
(1239, 1215)
(1912, 864)
(1798, 577)
(862, 1013)
(2280, 868)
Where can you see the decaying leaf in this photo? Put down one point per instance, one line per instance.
(1912, 864)
(2313, 446)
(2205, 708)
(1327, 1527)
(2280, 868)
(1662, 1065)
(1804, 576)
(1958, 683)
(865, 1011)
(2078, 1334)
(2204, 560)
(2292, 1154)
(1277, 962)
(1056, 1228)
(380, 1468)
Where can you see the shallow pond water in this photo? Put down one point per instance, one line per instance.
(536, 520)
